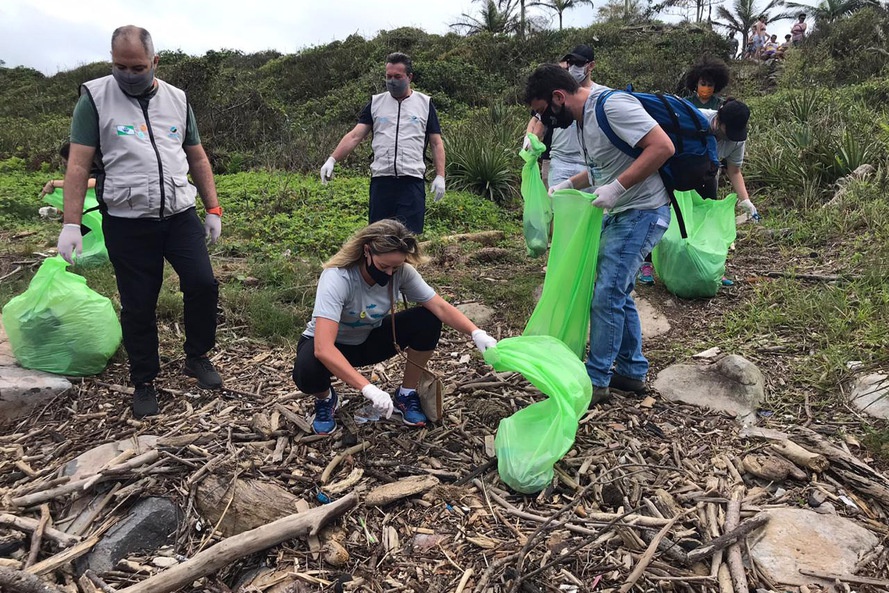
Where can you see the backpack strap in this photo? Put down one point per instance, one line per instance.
(620, 144)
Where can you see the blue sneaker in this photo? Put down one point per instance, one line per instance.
(323, 422)
(646, 274)
(409, 408)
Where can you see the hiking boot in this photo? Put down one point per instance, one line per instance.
(600, 395)
(409, 407)
(203, 370)
(145, 401)
(323, 422)
(646, 274)
(627, 384)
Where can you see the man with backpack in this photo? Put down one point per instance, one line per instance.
(632, 191)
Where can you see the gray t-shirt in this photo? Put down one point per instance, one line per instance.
(565, 146)
(731, 151)
(343, 296)
(606, 162)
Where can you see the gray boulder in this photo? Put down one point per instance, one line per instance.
(871, 395)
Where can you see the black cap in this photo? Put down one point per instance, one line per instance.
(734, 115)
(581, 53)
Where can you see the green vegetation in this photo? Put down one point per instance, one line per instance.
(269, 121)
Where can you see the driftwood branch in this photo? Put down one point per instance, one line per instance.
(734, 559)
(30, 525)
(646, 558)
(845, 578)
(727, 539)
(17, 581)
(325, 475)
(227, 551)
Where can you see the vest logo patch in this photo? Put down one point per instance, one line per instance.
(174, 134)
(126, 130)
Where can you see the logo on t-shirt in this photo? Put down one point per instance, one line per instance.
(126, 130)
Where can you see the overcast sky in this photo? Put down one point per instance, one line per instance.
(54, 35)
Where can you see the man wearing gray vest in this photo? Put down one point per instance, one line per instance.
(403, 122)
(145, 135)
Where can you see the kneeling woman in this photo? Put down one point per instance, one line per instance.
(351, 324)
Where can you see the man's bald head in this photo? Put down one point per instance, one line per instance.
(129, 34)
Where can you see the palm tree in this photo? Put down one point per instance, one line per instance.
(560, 6)
(744, 14)
(494, 17)
(828, 11)
(624, 11)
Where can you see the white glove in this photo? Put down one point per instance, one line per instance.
(381, 401)
(482, 340)
(70, 242)
(607, 195)
(748, 207)
(212, 227)
(327, 170)
(438, 187)
(526, 143)
(561, 185)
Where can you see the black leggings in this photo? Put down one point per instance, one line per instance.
(416, 328)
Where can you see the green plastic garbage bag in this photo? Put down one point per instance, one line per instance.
(60, 325)
(538, 212)
(694, 267)
(94, 251)
(529, 442)
(564, 307)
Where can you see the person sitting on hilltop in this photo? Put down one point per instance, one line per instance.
(782, 49)
(707, 78)
(770, 48)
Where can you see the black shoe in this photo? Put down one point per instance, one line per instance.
(145, 401)
(600, 395)
(627, 385)
(202, 369)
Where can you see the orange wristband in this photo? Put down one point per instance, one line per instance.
(217, 211)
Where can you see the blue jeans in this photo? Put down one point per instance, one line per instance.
(615, 332)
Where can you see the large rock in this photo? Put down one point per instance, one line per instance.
(654, 322)
(795, 539)
(151, 524)
(871, 395)
(478, 313)
(733, 385)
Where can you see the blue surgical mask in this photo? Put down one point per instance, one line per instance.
(133, 84)
(397, 87)
(578, 73)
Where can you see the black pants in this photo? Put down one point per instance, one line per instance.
(415, 328)
(137, 249)
(401, 198)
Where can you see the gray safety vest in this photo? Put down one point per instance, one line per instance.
(399, 135)
(146, 171)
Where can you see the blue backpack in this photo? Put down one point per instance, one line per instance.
(695, 165)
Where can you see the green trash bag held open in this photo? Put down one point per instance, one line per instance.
(694, 267)
(532, 440)
(60, 325)
(94, 251)
(564, 307)
(537, 213)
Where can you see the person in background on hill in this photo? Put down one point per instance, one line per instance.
(403, 122)
(749, 51)
(148, 142)
(782, 49)
(638, 206)
(705, 80)
(760, 36)
(566, 156)
(351, 324)
(733, 45)
(770, 48)
(798, 30)
(54, 184)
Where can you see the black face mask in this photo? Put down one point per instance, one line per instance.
(379, 276)
(563, 119)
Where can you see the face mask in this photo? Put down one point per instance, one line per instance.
(378, 276)
(578, 73)
(563, 119)
(133, 84)
(705, 92)
(397, 87)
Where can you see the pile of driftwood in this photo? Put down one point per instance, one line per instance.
(653, 496)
